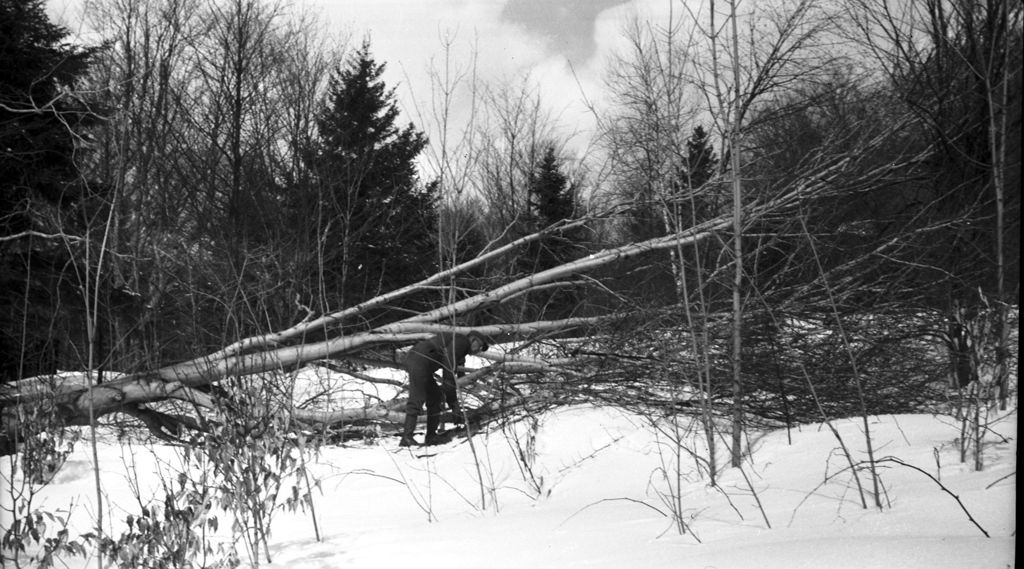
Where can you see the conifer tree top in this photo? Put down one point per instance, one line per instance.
(360, 114)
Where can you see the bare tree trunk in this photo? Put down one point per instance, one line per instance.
(997, 143)
(737, 230)
(90, 286)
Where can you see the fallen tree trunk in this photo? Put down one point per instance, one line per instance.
(74, 402)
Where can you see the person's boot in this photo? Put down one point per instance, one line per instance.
(456, 415)
(407, 431)
(433, 422)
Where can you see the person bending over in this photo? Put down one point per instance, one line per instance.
(446, 352)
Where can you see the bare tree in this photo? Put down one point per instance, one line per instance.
(957, 68)
(781, 46)
(701, 68)
(511, 134)
(648, 136)
(136, 154)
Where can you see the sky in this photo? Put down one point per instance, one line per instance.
(554, 46)
(558, 47)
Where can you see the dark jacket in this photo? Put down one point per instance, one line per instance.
(445, 352)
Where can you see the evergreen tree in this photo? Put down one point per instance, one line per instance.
(551, 200)
(700, 159)
(697, 200)
(691, 178)
(551, 197)
(376, 221)
(36, 144)
(686, 185)
(39, 187)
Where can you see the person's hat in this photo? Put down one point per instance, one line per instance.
(481, 338)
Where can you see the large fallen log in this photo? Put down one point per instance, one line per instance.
(78, 401)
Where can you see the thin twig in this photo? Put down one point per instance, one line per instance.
(941, 485)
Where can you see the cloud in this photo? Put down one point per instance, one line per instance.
(530, 39)
(408, 37)
(566, 26)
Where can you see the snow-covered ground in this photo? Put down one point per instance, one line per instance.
(596, 498)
